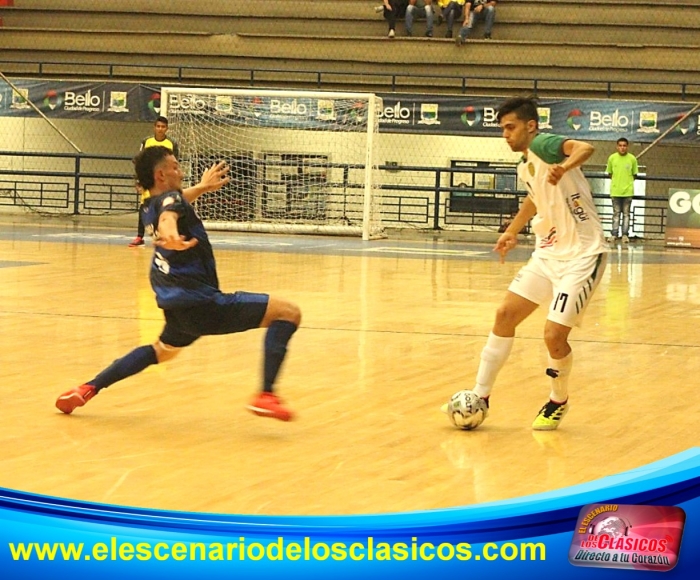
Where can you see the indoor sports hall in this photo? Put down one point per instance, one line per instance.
(383, 154)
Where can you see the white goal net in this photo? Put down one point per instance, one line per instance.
(301, 161)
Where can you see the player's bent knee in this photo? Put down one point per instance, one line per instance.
(278, 309)
(556, 339)
(290, 312)
(294, 313)
(507, 316)
(165, 352)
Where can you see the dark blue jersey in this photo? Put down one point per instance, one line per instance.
(186, 278)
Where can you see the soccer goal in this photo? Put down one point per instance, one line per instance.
(301, 161)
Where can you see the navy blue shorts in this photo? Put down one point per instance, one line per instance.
(225, 314)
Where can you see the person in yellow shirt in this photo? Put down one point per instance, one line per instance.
(159, 138)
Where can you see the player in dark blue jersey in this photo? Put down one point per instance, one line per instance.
(184, 279)
(160, 128)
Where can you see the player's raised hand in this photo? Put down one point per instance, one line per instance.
(212, 179)
(215, 177)
(506, 242)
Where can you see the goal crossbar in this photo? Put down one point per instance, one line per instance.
(300, 161)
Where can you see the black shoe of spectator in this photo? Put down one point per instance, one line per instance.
(429, 34)
(487, 36)
(448, 34)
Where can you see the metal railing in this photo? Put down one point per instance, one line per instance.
(89, 185)
(73, 183)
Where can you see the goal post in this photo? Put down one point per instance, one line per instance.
(301, 161)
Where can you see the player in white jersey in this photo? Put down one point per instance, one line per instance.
(568, 261)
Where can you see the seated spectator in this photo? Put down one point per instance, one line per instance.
(450, 11)
(393, 10)
(417, 8)
(477, 9)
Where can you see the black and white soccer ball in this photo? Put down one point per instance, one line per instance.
(466, 410)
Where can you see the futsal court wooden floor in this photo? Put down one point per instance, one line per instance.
(390, 329)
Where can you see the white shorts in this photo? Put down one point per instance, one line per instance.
(569, 284)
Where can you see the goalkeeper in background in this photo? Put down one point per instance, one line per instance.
(184, 279)
(160, 128)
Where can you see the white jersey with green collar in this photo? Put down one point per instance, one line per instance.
(566, 225)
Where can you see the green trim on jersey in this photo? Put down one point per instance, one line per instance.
(548, 147)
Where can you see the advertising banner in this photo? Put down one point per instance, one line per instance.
(148, 101)
(683, 219)
(63, 100)
(592, 120)
(292, 112)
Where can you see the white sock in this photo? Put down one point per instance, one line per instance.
(560, 383)
(493, 356)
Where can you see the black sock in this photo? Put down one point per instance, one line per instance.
(278, 334)
(134, 362)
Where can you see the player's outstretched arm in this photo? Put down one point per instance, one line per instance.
(212, 179)
(169, 236)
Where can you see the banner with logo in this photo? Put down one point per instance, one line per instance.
(683, 218)
(296, 112)
(602, 120)
(102, 101)
(148, 102)
(591, 120)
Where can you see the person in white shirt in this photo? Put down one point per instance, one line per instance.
(569, 257)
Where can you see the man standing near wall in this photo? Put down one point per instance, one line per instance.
(622, 168)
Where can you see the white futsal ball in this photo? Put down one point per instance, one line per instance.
(466, 410)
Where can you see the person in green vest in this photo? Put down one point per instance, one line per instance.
(622, 168)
